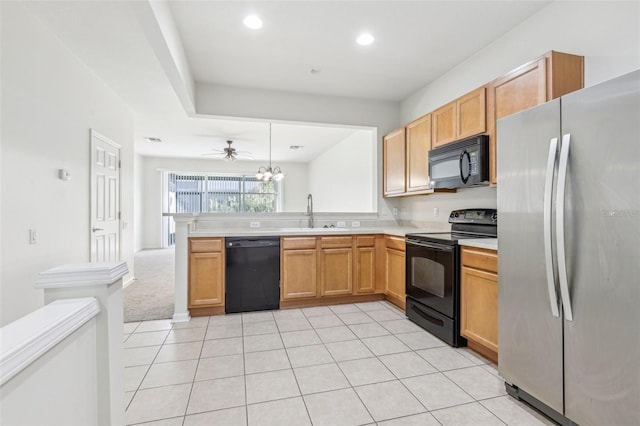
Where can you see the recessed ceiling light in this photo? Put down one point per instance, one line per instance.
(365, 39)
(253, 22)
(154, 140)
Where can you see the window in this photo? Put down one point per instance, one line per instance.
(213, 193)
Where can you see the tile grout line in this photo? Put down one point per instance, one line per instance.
(244, 370)
(149, 367)
(293, 371)
(195, 373)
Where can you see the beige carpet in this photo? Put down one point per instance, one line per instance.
(151, 295)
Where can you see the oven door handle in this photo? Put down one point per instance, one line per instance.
(435, 246)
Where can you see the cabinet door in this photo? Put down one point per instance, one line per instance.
(336, 271)
(444, 125)
(206, 279)
(299, 272)
(479, 307)
(522, 88)
(393, 154)
(395, 287)
(472, 114)
(418, 146)
(365, 270)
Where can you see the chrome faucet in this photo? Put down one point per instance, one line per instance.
(310, 210)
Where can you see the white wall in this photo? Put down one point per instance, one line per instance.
(606, 33)
(344, 175)
(50, 101)
(295, 186)
(138, 191)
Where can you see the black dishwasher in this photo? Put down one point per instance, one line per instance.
(252, 274)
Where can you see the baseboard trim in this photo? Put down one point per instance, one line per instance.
(399, 302)
(332, 300)
(184, 317)
(128, 282)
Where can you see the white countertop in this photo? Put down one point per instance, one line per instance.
(217, 232)
(485, 243)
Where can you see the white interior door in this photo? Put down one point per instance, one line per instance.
(105, 199)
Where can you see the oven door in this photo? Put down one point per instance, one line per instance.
(432, 273)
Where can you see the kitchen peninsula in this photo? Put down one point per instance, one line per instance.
(375, 250)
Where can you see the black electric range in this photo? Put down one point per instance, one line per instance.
(433, 272)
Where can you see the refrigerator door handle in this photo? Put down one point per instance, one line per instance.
(547, 213)
(560, 214)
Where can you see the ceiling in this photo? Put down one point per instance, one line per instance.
(416, 42)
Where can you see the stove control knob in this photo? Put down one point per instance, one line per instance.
(494, 217)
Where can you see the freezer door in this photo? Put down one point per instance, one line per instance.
(602, 215)
(530, 336)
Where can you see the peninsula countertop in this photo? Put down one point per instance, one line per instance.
(244, 232)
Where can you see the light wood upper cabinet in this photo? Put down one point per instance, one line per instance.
(395, 270)
(444, 124)
(464, 117)
(479, 300)
(206, 272)
(546, 78)
(418, 135)
(472, 114)
(393, 146)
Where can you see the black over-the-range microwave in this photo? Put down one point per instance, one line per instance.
(460, 164)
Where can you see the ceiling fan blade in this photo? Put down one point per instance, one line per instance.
(247, 156)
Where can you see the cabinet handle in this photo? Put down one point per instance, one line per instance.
(96, 229)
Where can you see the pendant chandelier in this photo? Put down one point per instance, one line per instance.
(269, 173)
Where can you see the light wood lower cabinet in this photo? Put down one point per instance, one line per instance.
(299, 273)
(299, 268)
(206, 273)
(479, 300)
(395, 271)
(365, 275)
(336, 271)
(320, 269)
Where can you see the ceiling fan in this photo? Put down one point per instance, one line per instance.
(230, 153)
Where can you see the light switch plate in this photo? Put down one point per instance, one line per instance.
(341, 224)
(254, 224)
(355, 224)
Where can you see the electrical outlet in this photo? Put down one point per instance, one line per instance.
(254, 225)
(394, 211)
(33, 236)
(436, 212)
(355, 224)
(341, 224)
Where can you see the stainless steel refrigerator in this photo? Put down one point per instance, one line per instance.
(569, 262)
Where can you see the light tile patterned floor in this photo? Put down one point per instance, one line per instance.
(355, 364)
